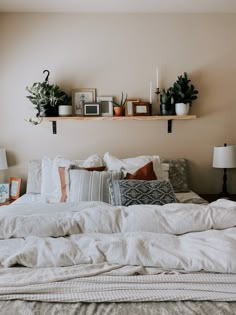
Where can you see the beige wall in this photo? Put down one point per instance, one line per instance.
(115, 53)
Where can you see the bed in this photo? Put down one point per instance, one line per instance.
(94, 257)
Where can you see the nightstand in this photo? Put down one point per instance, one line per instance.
(6, 203)
(214, 197)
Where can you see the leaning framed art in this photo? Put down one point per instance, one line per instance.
(81, 96)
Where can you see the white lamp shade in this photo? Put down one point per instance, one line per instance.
(224, 157)
(3, 159)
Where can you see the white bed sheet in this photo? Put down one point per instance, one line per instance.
(183, 197)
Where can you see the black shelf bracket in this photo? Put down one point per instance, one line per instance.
(170, 126)
(54, 127)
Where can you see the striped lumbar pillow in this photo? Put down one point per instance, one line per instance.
(83, 185)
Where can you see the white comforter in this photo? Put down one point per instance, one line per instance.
(174, 236)
(61, 242)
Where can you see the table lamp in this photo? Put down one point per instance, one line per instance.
(224, 157)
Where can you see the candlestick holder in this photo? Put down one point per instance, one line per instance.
(157, 91)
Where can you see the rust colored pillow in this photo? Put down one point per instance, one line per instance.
(144, 173)
(61, 171)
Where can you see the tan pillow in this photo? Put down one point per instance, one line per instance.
(144, 173)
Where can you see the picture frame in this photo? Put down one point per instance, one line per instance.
(141, 109)
(91, 109)
(4, 192)
(15, 186)
(81, 96)
(106, 105)
(129, 106)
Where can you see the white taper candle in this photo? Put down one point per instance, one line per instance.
(150, 93)
(157, 79)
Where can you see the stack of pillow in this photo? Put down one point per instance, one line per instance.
(138, 180)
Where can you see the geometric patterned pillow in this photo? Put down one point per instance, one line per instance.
(134, 192)
(178, 174)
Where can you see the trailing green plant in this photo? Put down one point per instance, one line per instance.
(122, 101)
(183, 90)
(46, 97)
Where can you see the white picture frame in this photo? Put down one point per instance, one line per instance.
(4, 192)
(91, 109)
(106, 105)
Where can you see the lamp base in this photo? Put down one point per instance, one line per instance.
(225, 195)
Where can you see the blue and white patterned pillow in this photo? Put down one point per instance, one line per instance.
(134, 192)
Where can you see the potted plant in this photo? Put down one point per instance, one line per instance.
(46, 98)
(119, 106)
(184, 94)
(167, 106)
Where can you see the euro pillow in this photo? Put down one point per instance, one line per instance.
(134, 192)
(178, 174)
(131, 165)
(83, 185)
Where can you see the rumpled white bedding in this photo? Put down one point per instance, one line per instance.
(60, 242)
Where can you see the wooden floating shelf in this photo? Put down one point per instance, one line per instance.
(99, 118)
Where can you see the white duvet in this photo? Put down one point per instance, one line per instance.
(91, 252)
(174, 236)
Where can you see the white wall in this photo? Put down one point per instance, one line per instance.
(114, 53)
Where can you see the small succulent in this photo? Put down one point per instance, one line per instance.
(122, 101)
(183, 90)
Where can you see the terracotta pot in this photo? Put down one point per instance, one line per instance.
(118, 111)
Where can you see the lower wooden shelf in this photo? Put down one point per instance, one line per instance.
(143, 118)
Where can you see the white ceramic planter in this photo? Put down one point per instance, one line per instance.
(181, 109)
(64, 110)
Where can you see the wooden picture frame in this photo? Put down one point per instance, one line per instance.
(81, 96)
(141, 109)
(106, 105)
(129, 106)
(15, 185)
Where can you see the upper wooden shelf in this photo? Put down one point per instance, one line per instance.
(174, 117)
(168, 118)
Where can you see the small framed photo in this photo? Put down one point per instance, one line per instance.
(129, 106)
(81, 96)
(91, 109)
(4, 192)
(141, 109)
(15, 185)
(106, 105)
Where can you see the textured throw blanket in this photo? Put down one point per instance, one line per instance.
(92, 251)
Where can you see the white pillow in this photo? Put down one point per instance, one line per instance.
(50, 184)
(131, 165)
